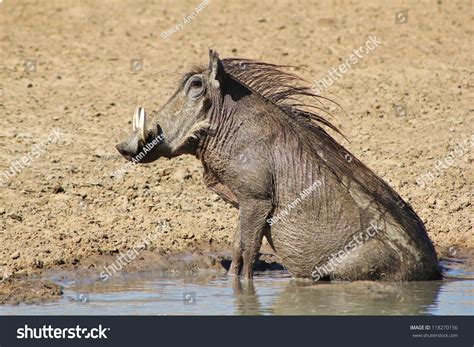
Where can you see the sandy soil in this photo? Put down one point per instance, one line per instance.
(67, 65)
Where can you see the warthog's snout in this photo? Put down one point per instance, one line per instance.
(142, 146)
(126, 150)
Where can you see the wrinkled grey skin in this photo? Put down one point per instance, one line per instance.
(259, 158)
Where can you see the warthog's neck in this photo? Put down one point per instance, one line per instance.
(226, 120)
(219, 140)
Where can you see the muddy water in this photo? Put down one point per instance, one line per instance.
(272, 292)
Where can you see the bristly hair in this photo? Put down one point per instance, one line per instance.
(282, 88)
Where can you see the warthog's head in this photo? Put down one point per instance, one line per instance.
(178, 127)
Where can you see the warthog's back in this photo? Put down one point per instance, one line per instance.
(326, 224)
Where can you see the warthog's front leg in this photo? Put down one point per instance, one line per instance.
(234, 268)
(253, 215)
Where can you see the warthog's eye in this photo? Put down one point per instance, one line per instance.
(195, 87)
(195, 83)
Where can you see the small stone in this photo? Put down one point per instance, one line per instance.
(58, 189)
(72, 168)
(166, 172)
(465, 201)
(38, 264)
(455, 206)
(182, 174)
(441, 203)
(211, 260)
(59, 261)
(25, 135)
(15, 255)
(431, 201)
(16, 217)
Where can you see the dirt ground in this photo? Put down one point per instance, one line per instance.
(83, 66)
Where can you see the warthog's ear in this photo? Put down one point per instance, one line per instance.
(216, 69)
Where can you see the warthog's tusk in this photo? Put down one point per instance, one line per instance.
(135, 119)
(141, 123)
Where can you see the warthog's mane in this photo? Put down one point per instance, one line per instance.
(284, 89)
(288, 92)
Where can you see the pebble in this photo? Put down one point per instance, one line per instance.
(16, 217)
(58, 189)
(25, 135)
(431, 201)
(182, 174)
(166, 172)
(188, 236)
(455, 206)
(465, 201)
(38, 264)
(15, 255)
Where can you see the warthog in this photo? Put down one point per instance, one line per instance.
(325, 214)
